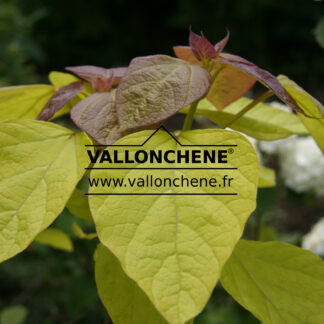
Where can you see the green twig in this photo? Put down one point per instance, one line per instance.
(189, 117)
(263, 97)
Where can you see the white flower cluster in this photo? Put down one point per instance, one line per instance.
(314, 240)
(301, 162)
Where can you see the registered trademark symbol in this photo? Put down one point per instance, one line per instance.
(230, 151)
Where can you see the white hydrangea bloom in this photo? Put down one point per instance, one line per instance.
(272, 147)
(302, 165)
(314, 240)
(301, 161)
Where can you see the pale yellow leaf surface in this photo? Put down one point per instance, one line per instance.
(125, 302)
(41, 163)
(24, 101)
(79, 232)
(278, 282)
(263, 122)
(61, 79)
(55, 238)
(311, 106)
(174, 246)
(78, 205)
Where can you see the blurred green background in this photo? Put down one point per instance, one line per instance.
(37, 37)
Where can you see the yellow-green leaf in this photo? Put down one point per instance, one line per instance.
(174, 246)
(311, 106)
(79, 233)
(24, 101)
(267, 177)
(263, 122)
(41, 163)
(267, 233)
(55, 238)
(125, 302)
(277, 282)
(61, 79)
(78, 205)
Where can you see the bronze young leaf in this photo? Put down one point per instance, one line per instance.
(60, 99)
(156, 87)
(102, 79)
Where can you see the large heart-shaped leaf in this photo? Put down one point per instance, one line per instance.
(263, 122)
(174, 246)
(41, 163)
(312, 106)
(277, 282)
(156, 87)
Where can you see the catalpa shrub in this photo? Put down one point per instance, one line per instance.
(167, 236)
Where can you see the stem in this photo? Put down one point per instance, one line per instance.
(215, 75)
(264, 96)
(189, 117)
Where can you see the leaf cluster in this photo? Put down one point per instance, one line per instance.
(161, 254)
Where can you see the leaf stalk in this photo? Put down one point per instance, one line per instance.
(257, 100)
(189, 117)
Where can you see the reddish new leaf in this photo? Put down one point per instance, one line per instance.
(89, 72)
(235, 58)
(60, 99)
(230, 84)
(263, 76)
(222, 43)
(201, 46)
(185, 53)
(101, 79)
(156, 87)
(203, 49)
